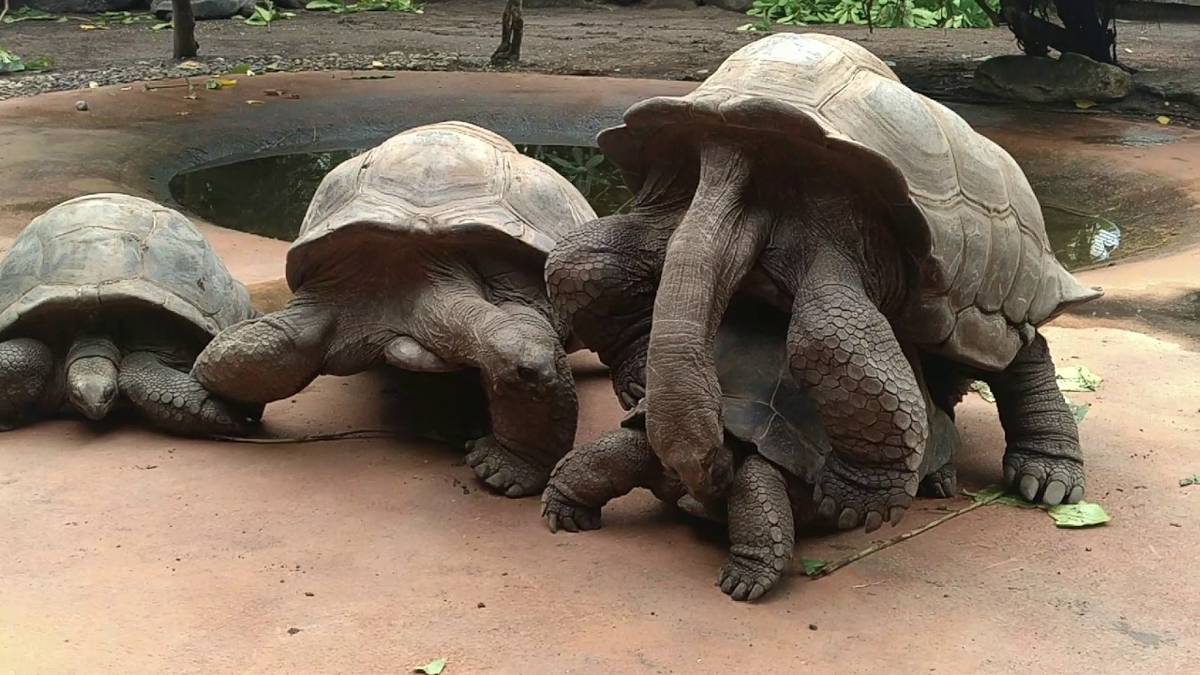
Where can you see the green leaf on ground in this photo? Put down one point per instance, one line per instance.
(1079, 410)
(1077, 378)
(984, 391)
(432, 668)
(318, 5)
(31, 14)
(10, 62)
(1083, 514)
(812, 565)
(998, 495)
(1190, 480)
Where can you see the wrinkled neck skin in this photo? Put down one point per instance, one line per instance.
(436, 310)
(717, 242)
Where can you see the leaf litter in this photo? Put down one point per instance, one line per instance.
(1081, 514)
(432, 668)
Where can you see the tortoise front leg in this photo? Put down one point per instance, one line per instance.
(175, 400)
(512, 29)
(843, 351)
(762, 531)
(1042, 460)
(603, 278)
(593, 474)
(27, 379)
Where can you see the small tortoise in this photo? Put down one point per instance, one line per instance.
(773, 430)
(110, 294)
(426, 253)
(804, 171)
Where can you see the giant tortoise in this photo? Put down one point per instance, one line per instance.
(803, 171)
(110, 294)
(426, 254)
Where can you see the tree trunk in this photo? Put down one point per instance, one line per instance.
(185, 29)
(1084, 31)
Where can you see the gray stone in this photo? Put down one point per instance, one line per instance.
(1040, 79)
(206, 9)
(1178, 85)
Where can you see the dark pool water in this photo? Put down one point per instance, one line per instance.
(268, 196)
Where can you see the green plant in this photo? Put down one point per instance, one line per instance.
(343, 7)
(13, 63)
(31, 14)
(589, 171)
(883, 13)
(265, 13)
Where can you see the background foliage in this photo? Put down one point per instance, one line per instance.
(883, 13)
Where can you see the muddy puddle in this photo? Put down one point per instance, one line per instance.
(268, 196)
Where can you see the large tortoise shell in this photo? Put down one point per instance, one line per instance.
(108, 249)
(450, 182)
(987, 274)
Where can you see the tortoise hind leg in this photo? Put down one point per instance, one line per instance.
(1042, 460)
(27, 371)
(595, 473)
(762, 532)
(843, 351)
(176, 401)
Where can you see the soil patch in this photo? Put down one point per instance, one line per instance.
(664, 39)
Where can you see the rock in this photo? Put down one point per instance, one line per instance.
(1173, 85)
(79, 6)
(81, 106)
(739, 6)
(1040, 79)
(207, 9)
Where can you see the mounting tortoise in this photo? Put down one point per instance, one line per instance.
(804, 172)
(426, 254)
(774, 432)
(107, 295)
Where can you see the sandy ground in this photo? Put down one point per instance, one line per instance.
(668, 39)
(125, 551)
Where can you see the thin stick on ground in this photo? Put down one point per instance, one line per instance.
(887, 543)
(4, 11)
(312, 438)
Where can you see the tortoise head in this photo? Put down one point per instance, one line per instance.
(92, 386)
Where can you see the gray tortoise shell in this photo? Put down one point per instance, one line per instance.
(988, 276)
(451, 182)
(109, 248)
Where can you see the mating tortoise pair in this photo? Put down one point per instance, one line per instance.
(817, 263)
